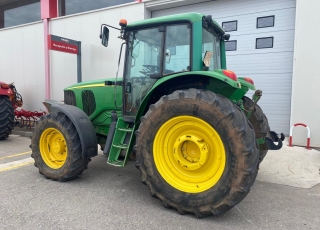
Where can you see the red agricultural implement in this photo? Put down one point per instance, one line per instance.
(24, 118)
(11, 113)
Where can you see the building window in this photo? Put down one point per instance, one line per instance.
(230, 26)
(13, 13)
(231, 45)
(264, 22)
(263, 43)
(67, 7)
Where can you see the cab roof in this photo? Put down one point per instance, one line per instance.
(187, 17)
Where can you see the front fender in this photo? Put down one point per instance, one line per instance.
(83, 126)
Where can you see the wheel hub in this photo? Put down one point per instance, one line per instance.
(190, 151)
(58, 146)
(189, 154)
(53, 148)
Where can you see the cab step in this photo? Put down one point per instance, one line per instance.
(121, 148)
(125, 130)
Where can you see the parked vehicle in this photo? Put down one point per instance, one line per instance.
(197, 138)
(9, 100)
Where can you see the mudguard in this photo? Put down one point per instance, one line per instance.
(83, 126)
(217, 75)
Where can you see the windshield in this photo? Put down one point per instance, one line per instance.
(211, 42)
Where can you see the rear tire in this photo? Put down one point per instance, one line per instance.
(6, 117)
(195, 114)
(260, 124)
(56, 148)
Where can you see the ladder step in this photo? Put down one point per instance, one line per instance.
(116, 163)
(120, 146)
(125, 129)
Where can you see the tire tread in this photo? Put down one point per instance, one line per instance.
(76, 165)
(6, 117)
(260, 125)
(240, 185)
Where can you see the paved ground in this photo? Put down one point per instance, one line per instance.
(293, 166)
(106, 197)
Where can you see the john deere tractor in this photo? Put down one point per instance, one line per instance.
(196, 138)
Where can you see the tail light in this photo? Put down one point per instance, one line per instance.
(230, 74)
(249, 80)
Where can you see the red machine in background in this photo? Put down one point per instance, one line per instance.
(25, 118)
(11, 113)
(7, 96)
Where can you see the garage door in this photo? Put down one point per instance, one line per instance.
(260, 47)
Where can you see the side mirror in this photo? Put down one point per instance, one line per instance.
(105, 36)
(168, 56)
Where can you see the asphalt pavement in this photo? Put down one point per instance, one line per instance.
(107, 197)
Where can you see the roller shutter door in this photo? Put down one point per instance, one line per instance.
(261, 47)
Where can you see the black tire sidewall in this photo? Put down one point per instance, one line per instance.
(217, 117)
(260, 125)
(51, 121)
(7, 112)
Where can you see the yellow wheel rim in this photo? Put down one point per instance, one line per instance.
(189, 154)
(53, 148)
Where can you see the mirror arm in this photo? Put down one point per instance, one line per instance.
(108, 26)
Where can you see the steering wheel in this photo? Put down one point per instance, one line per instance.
(152, 68)
(148, 69)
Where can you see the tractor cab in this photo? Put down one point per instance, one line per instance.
(159, 49)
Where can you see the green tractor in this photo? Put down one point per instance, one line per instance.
(196, 138)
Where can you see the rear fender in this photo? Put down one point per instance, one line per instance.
(83, 126)
(239, 93)
(208, 80)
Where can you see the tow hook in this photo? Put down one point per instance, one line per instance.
(274, 137)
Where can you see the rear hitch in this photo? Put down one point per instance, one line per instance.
(274, 137)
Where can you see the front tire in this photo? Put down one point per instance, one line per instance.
(196, 152)
(56, 148)
(6, 117)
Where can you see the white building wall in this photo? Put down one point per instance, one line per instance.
(22, 52)
(270, 69)
(98, 62)
(22, 62)
(22, 57)
(306, 76)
